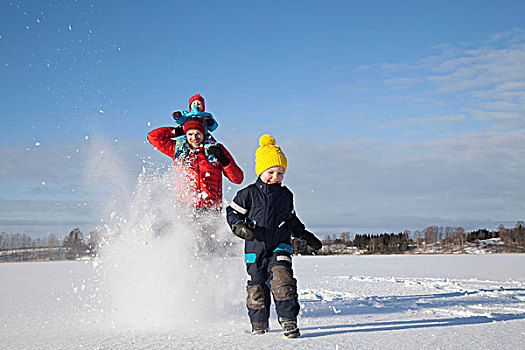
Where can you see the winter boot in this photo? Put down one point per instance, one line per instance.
(259, 328)
(289, 326)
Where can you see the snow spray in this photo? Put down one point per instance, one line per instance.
(150, 270)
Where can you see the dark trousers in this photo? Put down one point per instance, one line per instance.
(271, 274)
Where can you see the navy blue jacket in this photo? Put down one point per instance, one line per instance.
(271, 208)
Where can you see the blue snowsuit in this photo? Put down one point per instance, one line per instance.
(209, 122)
(269, 256)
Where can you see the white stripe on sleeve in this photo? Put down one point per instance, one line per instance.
(238, 208)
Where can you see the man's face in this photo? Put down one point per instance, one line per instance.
(194, 138)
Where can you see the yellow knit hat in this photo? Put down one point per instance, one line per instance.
(268, 155)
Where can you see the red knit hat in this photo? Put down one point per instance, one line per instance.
(196, 97)
(194, 123)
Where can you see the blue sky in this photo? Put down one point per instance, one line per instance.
(393, 115)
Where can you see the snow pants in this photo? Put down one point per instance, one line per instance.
(270, 273)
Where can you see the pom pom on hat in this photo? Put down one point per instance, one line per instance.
(266, 140)
(268, 155)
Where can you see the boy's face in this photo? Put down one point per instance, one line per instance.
(194, 138)
(198, 104)
(273, 175)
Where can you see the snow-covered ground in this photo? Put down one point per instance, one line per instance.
(348, 302)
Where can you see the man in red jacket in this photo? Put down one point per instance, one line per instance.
(200, 162)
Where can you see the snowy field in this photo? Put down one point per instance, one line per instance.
(348, 302)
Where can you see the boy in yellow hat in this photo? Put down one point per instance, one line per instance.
(263, 215)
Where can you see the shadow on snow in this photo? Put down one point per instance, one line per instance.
(403, 325)
(496, 298)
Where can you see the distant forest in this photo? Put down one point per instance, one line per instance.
(433, 239)
(22, 247)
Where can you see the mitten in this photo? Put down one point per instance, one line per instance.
(208, 119)
(311, 240)
(217, 151)
(179, 131)
(243, 230)
(177, 115)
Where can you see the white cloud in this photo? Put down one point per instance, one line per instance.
(474, 177)
(403, 81)
(435, 120)
(485, 80)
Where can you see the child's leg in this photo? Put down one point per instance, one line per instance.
(284, 289)
(284, 285)
(258, 299)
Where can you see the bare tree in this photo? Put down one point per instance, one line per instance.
(4, 240)
(75, 241)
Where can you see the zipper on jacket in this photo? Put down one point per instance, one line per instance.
(199, 182)
(266, 210)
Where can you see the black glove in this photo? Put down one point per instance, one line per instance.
(311, 240)
(244, 230)
(217, 151)
(179, 131)
(208, 120)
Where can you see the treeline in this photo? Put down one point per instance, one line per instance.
(22, 247)
(17, 241)
(435, 239)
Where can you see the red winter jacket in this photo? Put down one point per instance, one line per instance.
(198, 182)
